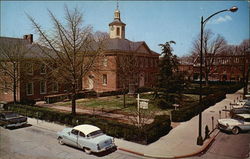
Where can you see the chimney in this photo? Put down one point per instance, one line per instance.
(29, 37)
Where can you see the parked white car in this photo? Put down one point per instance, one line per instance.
(240, 122)
(87, 137)
(240, 104)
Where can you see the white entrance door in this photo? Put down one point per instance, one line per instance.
(142, 79)
(91, 82)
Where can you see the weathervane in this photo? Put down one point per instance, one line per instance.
(117, 4)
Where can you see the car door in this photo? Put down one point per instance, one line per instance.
(72, 137)
(81, 140)
(85, 141)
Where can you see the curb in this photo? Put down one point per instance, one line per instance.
(202, 150)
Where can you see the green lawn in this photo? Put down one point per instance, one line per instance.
(112, 103)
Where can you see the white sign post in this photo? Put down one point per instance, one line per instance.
(141, 103)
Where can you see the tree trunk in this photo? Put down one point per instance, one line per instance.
(14, 91)
(124, 99)
(14, 83)
(206, 72)
(206, 77)
(124, 96)
(73, 100)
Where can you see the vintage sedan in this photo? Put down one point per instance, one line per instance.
(11, 119)
(87, 137)
(240, 122)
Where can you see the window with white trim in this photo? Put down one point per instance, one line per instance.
(55, 87)
(30, 69)
(105, 61)
(29, 88)
(104, 79)
(42, 87)
(43, 69)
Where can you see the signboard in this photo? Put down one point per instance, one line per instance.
(144, 104)
(176, 106)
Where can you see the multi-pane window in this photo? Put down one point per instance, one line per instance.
(105, 62)
(55, 87)
(30, 69)
(5, 87)
(29, 88)
(104, 79)
(42, 87)
(43, 69)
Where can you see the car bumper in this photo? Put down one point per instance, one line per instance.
(106, 148)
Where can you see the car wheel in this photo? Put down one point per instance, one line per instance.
(87, 150)
(235, 130)
(60, 141)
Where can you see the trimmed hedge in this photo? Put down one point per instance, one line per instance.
(151, 132)
(188, 112)
(206, 90)
(193, 109)
(144, 89)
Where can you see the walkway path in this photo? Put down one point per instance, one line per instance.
(180, 141)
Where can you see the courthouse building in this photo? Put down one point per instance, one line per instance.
(126, 64)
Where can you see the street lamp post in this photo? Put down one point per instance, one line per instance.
(203, 22)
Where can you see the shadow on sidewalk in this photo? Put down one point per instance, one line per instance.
(19, 127)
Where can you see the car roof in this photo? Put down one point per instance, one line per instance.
(244, 115)
(86, 129)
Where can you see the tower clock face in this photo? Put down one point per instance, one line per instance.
(112, 28)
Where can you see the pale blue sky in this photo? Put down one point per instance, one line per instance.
(154, 22)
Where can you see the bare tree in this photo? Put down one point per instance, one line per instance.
(140, 118)
(12, 59)
(244, 48)
(128, 70)
(73, 49)
(211, 47)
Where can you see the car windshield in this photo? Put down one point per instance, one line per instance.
(95, 133)
(10, 115)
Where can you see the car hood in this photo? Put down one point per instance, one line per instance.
(65, 130)
(229, 121)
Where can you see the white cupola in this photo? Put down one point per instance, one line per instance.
(117, 27)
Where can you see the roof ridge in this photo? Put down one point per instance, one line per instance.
(12, 38)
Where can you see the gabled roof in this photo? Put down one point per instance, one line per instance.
(125, 45)
(110, 45)
(31, 50)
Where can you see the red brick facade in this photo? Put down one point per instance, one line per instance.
(224, 68)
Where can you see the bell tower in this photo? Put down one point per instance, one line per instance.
(117, 27)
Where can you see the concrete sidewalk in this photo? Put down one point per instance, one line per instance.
(181, 140)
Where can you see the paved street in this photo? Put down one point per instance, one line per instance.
(37, 143)
(229, 146)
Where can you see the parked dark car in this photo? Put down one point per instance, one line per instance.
(247, 104)
(242, 110)
(11, 119)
